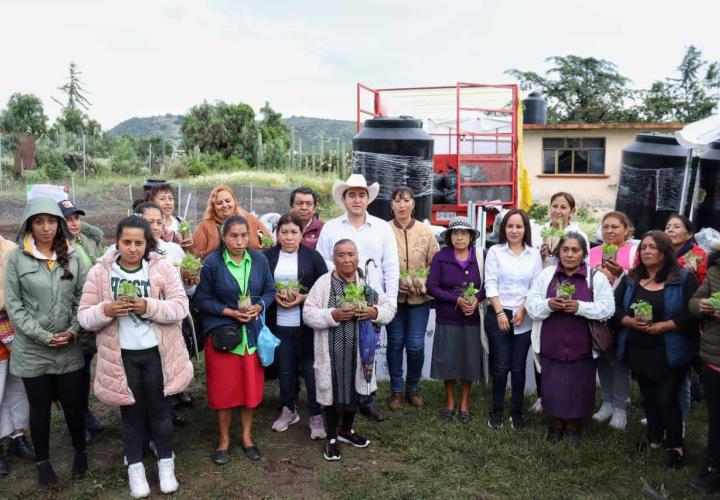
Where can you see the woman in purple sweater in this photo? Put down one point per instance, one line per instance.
(457, 350)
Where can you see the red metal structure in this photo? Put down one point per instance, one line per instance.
(475, 127)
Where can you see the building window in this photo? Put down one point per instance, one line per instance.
(574, 156)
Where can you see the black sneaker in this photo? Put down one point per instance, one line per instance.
(353, 438)
(495, 421)
(517, 422)
(79, 465)
(707, 482)
(332, 450)
(23, 449)
(46, 474)
(674, 459)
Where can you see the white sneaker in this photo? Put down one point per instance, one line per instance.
(139, 487)
(166, 473)
(619, 419)
(537, 406)
(643, 421)
(604, 413)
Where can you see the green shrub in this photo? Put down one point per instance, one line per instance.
(52, 163)
(538, 211)
(178, 169)
(124, 159)
(34, 176)
(196, 166)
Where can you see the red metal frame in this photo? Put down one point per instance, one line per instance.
(490, 164)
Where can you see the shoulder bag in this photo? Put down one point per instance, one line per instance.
(603, 338)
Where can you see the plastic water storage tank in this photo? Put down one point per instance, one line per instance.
(651, 176)
(534, 109)
(708, 211)
(395, 152)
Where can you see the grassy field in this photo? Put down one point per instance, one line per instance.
(413, 454)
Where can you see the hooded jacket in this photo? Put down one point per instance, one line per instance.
(40, 303)
(166, 307)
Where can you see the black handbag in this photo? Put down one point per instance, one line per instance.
(225, 338)
(603, 338)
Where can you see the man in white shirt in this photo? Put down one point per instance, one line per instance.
(374, 239)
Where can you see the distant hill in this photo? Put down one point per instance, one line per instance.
(307, 129)
(167, 126)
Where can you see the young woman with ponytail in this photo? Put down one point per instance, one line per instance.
(44, 282)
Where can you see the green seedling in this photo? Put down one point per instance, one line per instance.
(643, 311)
(564, 290)
(609, 251)
(126, 291)
(715, 300)
(244, 303)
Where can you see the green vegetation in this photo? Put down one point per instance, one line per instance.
(126, 291)
(469, 293)
(355, 296)
(551, 232)
(692, 260)
(164, 126)
(244, 303)
(184, 227)
(565, 290)
(609, 251)
(643, 311)
(715, 300)
(191, 263)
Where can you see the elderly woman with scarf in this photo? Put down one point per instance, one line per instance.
(339, 374)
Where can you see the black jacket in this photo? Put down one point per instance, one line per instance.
(311, 266)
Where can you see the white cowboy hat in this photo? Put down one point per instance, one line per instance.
(354, 181)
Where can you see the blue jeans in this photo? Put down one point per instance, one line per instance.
(295, 355)
(407, 331)
(509, 354)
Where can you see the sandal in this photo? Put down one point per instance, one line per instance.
(447, 414)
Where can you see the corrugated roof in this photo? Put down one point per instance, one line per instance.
(600, 126)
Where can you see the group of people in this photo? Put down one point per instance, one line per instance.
(65, 299)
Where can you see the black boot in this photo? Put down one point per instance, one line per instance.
(22, 448)
(80, 465)
(46, 474)
(4, 465)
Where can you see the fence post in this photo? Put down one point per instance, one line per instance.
(251, 198)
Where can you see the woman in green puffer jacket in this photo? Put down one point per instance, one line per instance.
(44, 282)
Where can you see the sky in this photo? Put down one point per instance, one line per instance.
(143, 58)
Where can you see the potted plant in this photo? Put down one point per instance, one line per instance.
(355, 295)
(419, 280)
(126, 291)
(184, 230)
(551, 236)
(265, 241)
(406, 281)
(609, 251)
(692, 261)
(191, 265)
(469, 295)
(289, 289)
(244, 303)
(564, 290)
(643, 311)
(715, 301)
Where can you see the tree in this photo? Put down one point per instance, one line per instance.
(583, 90)
(74, 91)
(275, 138)
(24, 115)
(688, 98)
(221, 128)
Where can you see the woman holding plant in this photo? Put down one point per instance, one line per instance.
(689, 254)
(135, 301)
(175, 227)
(562, 208)
(614, 258)
(562, 302)
(334, 308)
(295, 268)
(705, 305)
(510, 267)
(456, 283)
(222, 203)
(236, 285)
(658, 338)
(416, 247)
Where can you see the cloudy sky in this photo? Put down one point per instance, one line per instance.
(141, 58)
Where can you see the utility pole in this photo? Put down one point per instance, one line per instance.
(150, 158)
(84, 156)
(292, 148)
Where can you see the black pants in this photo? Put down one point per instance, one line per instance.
(294, 359)
(711, 384)
(332, 417)
(509, 355)
(41, 392)
(661, 399)
(152, 408)
(86, 379)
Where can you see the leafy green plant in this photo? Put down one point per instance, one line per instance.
(715, 300)
(265, 241)
(469, 293)
(196, 166)
(643, 311)
(551, 232)
(244, 303)
(419, 280)
(609, 251)
(191, 263)
(565, 290)
(184, 227)
(354, 293)
(126, 291)
(692, 260)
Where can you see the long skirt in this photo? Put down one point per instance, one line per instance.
(457, 353)
(233, 380)
(568, 387)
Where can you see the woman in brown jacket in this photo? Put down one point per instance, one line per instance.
(223, 203)
(416, 247)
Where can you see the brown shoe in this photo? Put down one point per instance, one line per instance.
(415, 399)
(395, 401)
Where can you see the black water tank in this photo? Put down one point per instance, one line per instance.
(651, 175)
(395, 152)
(708, 211)
(534, 109)
(151, 183)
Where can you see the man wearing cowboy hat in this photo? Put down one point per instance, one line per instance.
(374, 239)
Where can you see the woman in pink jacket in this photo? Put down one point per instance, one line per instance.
(142, 358)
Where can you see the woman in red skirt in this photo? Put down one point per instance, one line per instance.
(235, 376)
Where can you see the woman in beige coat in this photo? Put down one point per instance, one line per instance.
(135, 300)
